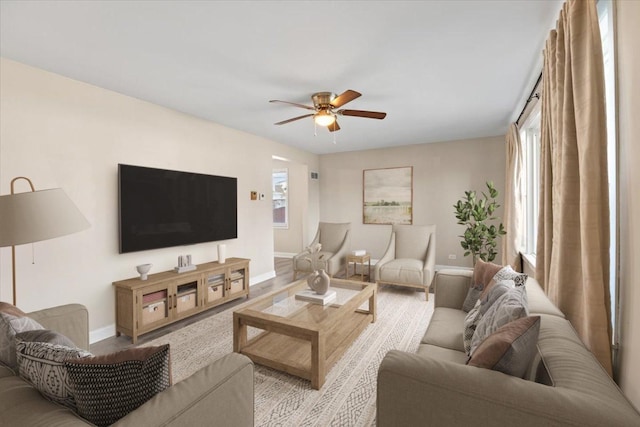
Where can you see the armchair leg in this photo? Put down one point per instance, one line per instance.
(295, 274)
(426, 293)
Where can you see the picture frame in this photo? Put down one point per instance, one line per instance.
(387, 195)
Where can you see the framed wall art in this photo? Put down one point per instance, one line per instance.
(387, 196)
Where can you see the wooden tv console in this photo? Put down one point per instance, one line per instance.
(145, 305)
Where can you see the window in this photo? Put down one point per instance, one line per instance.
(530, 139)
(280, 187)
(605, 18)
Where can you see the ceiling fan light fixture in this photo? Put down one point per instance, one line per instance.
(324, 118)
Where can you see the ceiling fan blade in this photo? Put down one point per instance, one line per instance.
(293, 119)
(366, 114)
(295, 104)
(334, 126)
(346, 96)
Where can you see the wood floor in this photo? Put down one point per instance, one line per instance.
(284, 276)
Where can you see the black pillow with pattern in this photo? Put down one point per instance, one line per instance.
(106, 388)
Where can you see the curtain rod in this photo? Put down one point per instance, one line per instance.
(531, 97)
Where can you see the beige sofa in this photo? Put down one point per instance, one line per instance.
(222, 391)
(565, 385)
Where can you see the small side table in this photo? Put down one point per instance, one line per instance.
(359, 259)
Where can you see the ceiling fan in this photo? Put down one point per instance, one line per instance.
(325, 105)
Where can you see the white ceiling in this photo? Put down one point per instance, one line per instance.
(442, 70)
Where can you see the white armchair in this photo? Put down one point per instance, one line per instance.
(410, 258)
(335, 241)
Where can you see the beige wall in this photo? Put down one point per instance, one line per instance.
(63, 133)
(441, 174)
(628, 43)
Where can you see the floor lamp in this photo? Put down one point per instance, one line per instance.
(35, 216)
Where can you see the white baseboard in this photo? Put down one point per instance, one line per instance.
(437, 267)
(102, 333)
(284, 255)
(261, 278)
(454, 267)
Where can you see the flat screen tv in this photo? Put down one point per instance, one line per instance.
(160, 208)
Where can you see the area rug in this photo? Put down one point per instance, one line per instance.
(348, 397)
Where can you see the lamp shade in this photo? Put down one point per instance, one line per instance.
(39, 215)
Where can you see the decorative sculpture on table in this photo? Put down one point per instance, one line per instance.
(318, 280)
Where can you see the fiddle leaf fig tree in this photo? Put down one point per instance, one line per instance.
(477, 215)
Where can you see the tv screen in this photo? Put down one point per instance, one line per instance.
(161, 208)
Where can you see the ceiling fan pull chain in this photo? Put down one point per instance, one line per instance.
(315, 128)
(334, 138)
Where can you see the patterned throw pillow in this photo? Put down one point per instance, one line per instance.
(472, 297)
(505, 273)
(510, 349)
(511, 305)
(470, 324)
(106, 388)
(508, 273)
(11, 323)
(44, 335)
(42, 364)
(481, 307)
(494, 294)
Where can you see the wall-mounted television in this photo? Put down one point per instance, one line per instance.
(160, 208)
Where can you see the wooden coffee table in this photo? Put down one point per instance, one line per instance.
(302, 338)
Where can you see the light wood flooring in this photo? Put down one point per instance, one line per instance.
(284, 276)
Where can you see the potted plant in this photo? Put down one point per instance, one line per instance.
(477, 215)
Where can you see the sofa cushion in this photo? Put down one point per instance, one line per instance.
(106, 388)
(5, 371)
(22, 405)
(445, 328)
(10, 325)
(440, 353)
(510, 306)
(402, 270)
(451, 287)
(72, 320)
(42, 365)
(538, 302)
(572, 366)
(510, 349)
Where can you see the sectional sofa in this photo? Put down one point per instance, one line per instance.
(564, 385)
(221, 391)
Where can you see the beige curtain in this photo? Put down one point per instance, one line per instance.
(572, 259)
(513, 200)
